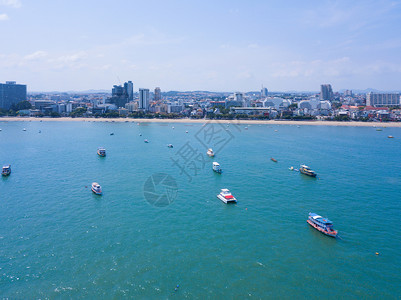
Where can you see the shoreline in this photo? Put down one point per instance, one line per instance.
(202, 121)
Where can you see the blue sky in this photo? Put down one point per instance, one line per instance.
(201, 45)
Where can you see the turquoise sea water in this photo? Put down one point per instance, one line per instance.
(58, 240)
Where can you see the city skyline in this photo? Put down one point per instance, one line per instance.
(225, 46)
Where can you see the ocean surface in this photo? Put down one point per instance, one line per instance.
(159, 231)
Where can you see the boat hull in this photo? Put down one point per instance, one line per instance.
(308, 174)
(96, 192)
(332, 234)
(233, 200)
(101, 155)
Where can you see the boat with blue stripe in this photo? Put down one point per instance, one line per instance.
(324, 225)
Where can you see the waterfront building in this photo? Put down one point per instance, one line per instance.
(157, 94)
(144, 99)
(129, 90)
(132, 106)
(377, 99)
(326, 92)
(121, 95)
(277, 103)
(11, 93)
(174, 108)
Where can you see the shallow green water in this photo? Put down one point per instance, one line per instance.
(58, 240)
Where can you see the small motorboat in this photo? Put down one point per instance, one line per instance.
(24, 129)
(226, 197)
(217, 168)
(112, 133)
(324, 225)
(101, 151)
(6, 170)
(40, 131)
(273, 159)
(379, 129)
(96, 188)
(146, 141)
(186, 131)
(307, 171)
(210, 152)
(170, 145)
(390, 137)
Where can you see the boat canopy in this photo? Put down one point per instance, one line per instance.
(225, 190)
(216, 164)
(320, 219)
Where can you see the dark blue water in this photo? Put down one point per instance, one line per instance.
(59, 240)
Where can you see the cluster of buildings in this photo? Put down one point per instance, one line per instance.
(124, 101)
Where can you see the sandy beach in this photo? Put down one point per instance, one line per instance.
(202, 121)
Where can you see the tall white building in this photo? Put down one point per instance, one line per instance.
(374, 99)
(144, 99)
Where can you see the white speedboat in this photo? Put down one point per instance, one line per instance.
(146, 141)
(217, 168)
(101, 151)
(96, 188)
(226, 197)
(6, 170)
(210, 152)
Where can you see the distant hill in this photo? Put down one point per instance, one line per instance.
(369, 90)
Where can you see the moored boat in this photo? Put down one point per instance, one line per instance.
(273, 159)
(101, 151)
(6, 170)
(210, 152)
(170, 145)
(217, 168)
(146, 141)
(307, 171)
(226, 197)
(324, 225)
(96, 188)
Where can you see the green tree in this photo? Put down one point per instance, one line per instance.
(78, 112)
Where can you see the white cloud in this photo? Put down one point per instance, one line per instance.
(12, 3)
(4, 17)
(36, 55)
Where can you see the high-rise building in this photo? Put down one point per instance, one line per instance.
(144, 99)
(158, 94)
(264, 92)
(376, 99)
(121, 95)
(348, 93)
(129, 90)
(326, 92)
(11, 93)
(117, 91)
